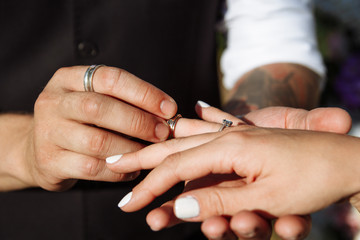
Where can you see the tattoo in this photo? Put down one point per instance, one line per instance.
(260, 89)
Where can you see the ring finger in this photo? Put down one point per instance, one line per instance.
(107, 112)
(91, 141)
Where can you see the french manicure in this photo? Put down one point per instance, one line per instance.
(186, 207)
(113, 159)
(202, 104)
(125, 200)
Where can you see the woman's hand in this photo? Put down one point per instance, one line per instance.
(245, 223)
(283, 172)
(73, 131)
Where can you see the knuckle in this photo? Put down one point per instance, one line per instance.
(216, 202)
(232, 136)
(91, 107)
(144, 93)
(91, 168)
(171, 163)
(138, 160)
(98, 143)
(60, 72)
(139, 124)
(112, 79)
(42, 102)
(236, 136)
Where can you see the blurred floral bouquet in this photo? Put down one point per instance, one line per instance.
(347, 83)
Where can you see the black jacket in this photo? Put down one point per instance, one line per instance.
(170, 43)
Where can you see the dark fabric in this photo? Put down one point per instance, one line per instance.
(170, 43)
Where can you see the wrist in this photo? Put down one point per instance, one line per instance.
(15, 149)
(281, 84)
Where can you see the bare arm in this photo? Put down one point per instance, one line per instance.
(15, 130)
(281, 84)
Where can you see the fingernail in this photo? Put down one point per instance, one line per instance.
(295, 238)
(125, 200)
(168, 107)
(249, 234)
(113, 159)
(186, 207)
(132, 176)
(162, 131)
(203, 104)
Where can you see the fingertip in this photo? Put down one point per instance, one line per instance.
(162, 217)
(113, 159)
(202, 104)
(157, 220)
(330, 119)
(215, 227)
(198, 110)
(117, 164)
(126, 163)
(125, 200)
(247, 224)
(293, 227)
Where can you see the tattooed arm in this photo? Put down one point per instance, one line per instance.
(280, 84)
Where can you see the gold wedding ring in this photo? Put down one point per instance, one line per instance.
(172, 124)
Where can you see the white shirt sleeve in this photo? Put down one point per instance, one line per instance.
(269, 31)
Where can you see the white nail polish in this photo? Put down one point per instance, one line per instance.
(125, 200)
(203, 104)
(113, 159)
(186, 207)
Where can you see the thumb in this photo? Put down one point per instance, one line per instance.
(334, 120)
(200, 204)
(320, 119)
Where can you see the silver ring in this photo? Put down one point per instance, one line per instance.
(88, 77)
(172, 124)
(226, 123)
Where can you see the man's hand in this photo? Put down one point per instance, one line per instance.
(73, 131)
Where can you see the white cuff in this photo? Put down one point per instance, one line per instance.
(262, 32)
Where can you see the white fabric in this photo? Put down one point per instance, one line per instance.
(269, 31)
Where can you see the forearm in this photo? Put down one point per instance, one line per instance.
(281, 84)
(15, 131)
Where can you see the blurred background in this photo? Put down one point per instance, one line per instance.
(338, 32)
(338, 29)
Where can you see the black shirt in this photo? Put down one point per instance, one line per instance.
(170, 43)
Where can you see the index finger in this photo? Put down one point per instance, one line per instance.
(119, 84)
(189, 164)
(197, 132)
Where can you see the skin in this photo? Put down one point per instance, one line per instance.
(243, 222)
(38, 149)
(72, 131)
(266, 174)
(269, 174)
(279, 84)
